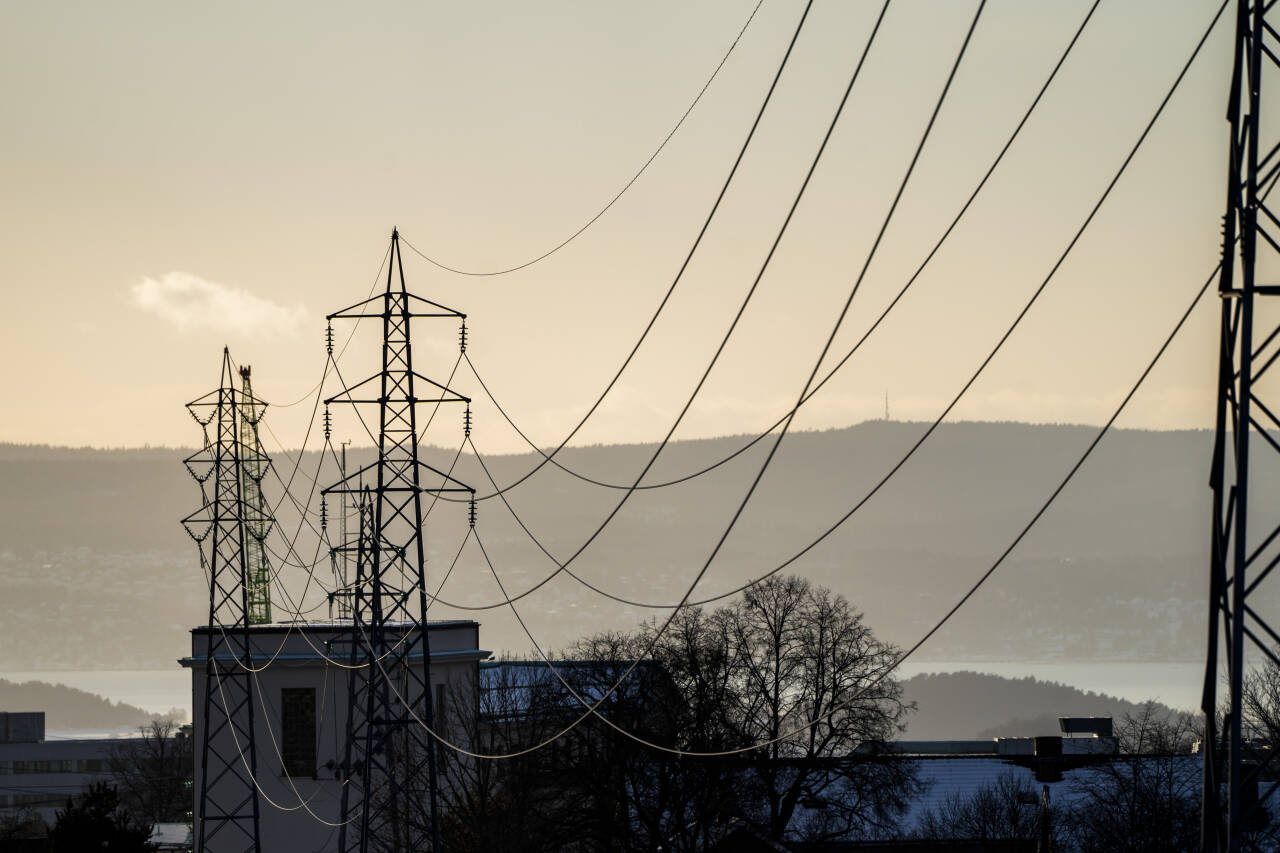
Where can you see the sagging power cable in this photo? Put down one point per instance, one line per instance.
(900, 659)
(666, 298)
(563, 566)
(986, 575)
(550, 457)
(620, 193)
(592, 709)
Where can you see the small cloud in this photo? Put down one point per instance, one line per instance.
(190, 302)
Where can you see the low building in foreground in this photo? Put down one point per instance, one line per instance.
(300, 717)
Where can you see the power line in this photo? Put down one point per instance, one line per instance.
(620, 193)
(892, 304)
(592, 709)
(746, 300)
(316, 388)
(932, 428)
(884, 673)
(692, 249)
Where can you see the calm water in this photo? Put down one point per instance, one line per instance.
(1175, 684)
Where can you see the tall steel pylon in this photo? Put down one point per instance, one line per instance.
(229, 528)
(1245, 535)
(390, 767)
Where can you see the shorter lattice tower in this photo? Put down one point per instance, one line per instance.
(228, 528)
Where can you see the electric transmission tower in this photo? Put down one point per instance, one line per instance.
(1246, 532)
(229, 529)
(390, 763)
(257, 517)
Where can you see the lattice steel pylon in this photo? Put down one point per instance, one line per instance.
(1246, 531)
(228, 528)
(258, 518)
(390, 766)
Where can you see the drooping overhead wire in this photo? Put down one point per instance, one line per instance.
(982, 579)
(592, 708)
(620, 193)
(1091, 447)
(715, 207)
(317, 388)
(1035, 296)
(498, 490)
(318, 392)
(817, 158)
(291, 557)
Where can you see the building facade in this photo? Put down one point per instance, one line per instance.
(39, 775)
(301, 717)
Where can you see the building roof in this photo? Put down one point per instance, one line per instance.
(947, 777)
(515, 684)
(331, 625)
(316, 657)
(172, 836)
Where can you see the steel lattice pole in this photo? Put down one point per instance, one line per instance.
(1245, 535)
(389, 755)
(227, 801)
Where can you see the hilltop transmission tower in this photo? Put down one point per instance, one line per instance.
(1246, 535)
(390, 758)
(229, 529)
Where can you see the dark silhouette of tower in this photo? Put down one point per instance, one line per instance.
(228, 528)
(389, 797)
(1245, 536)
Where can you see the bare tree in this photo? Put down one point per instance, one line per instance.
(1260, 701)
(521, 803)
(1004, 810)
(1148, 799)
(790, 666)
(22, 831)
(152, 775)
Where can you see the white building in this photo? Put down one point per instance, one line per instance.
(300, 718)
(41, 775)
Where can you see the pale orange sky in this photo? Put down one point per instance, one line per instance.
(261, 155)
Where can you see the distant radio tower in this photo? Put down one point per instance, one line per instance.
(886, 405)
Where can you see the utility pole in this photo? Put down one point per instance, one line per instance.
(390, 695)
(1245, 539)
(228, 527)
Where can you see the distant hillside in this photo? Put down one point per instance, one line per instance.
(971, 705)
(90, 541)
(66, 708)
